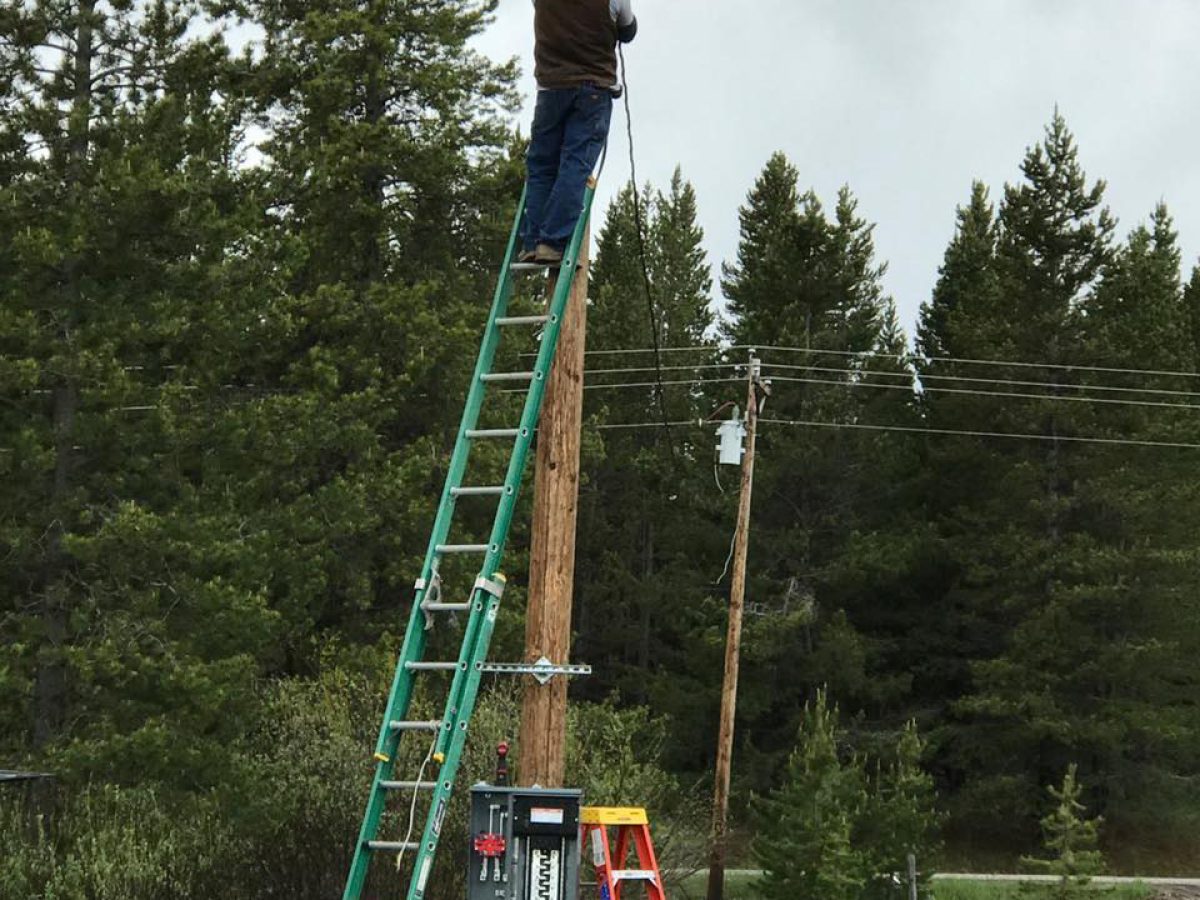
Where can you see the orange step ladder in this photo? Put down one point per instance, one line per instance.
(633, 829)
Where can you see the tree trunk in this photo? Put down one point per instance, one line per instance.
(645, 604)
(50, 682)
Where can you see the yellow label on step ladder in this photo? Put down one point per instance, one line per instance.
(613, 815)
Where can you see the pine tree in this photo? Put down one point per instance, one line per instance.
(1053, 573)
(647, 503)
(387, 153)
(806, 840)
(809, 281)
(1191, 303)
(119, 139)
(841, 825)
(1071, 840)
(1138, 319)
(963, 316)
(902, 817)
(767, 276)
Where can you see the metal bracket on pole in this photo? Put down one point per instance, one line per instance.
(542, 670)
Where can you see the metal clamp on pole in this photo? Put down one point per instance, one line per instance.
(542, 670)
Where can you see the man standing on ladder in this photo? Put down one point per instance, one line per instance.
(576, 69)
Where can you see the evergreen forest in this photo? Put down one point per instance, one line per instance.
(241, 295)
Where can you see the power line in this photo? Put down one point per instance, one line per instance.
(909, 357)
(952, 432)
(644, 384)
(913, 357)
(1129, 442)
(635, 425)
(922, 378)
(710, 348)
(655, 384)
(730, 365)
(978, 393)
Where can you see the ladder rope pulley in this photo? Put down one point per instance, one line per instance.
(450, 732)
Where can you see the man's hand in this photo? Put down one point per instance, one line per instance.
(626, 33)
(622, 11)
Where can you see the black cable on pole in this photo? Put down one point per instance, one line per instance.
(639, 225)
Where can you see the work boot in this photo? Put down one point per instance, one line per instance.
(526, 256)
(547, 255)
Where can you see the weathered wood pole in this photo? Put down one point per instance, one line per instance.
(733, 641)
(542, 753)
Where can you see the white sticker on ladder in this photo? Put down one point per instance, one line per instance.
(597, 848)
(424, 876)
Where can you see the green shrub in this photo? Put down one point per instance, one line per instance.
(616, 756)
(285, 821)
(110, 843)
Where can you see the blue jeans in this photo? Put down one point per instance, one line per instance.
(570, 127)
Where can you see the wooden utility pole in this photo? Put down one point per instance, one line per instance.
(542, 757)
(733, 641)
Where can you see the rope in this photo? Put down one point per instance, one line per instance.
(412, 809)
(641, 236)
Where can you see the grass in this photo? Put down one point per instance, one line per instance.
(991, 890)
(737, 887)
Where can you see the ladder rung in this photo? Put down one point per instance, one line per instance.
(431, 666)
(507, 376)
(415, 726)
(393, 846)
(495, 491)
(522, 320)
(462, 548)
(634, 875)
(532, 267)
(446, 607)
(408, 785)
(493, 432)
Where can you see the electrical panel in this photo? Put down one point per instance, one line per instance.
(524, 844)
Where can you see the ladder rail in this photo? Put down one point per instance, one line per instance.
(464, 690)
(413, 648)
(516, 469)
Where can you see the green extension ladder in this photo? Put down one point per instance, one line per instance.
(450, 732)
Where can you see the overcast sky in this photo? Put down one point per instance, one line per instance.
(906, 101)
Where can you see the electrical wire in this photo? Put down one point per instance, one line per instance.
(1127, 442)
(912, 377)
(635, 425)
(915, 357)
(923, 377)
(696, 348)
(728, 559)
(977, 393)
(906, 357)
(663, 369)
(660, 384)
(644, 384)
(641, 237)
(952, 432)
